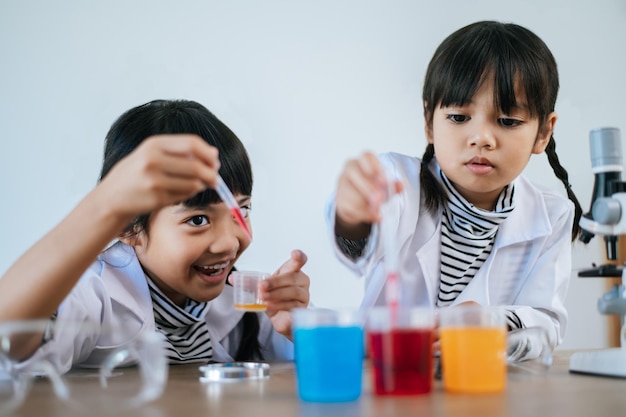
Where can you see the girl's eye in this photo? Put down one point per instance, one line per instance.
(506, 122)
(245, 211)
(198, 221)
(457, 118)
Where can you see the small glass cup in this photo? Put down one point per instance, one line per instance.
(329, 352)
(473, 341)
(114, 388)
(247, 291)
(401, 348)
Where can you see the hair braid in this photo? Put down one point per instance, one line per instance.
(562, 174)
(434, 195)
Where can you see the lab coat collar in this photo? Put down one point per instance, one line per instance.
(530, 218)
(125, 279)
(126, 282)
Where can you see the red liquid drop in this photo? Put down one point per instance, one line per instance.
(236, 212)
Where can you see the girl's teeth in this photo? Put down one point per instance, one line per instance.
(215, 267)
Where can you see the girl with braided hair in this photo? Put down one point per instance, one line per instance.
(470, 228)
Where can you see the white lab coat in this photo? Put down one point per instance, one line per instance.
(113, 298)
(528, 270)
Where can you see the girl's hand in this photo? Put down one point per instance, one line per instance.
(286, 289)
(361, 189)
(162, 170)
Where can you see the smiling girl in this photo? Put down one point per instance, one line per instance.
(175, 243)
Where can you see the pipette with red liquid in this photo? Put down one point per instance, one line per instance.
(393, 289)
(229, 199)
(388, 231)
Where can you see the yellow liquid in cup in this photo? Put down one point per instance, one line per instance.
(251, 307)
(473, 359)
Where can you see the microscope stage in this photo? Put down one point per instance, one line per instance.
(608, 362)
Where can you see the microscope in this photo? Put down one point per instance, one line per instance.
(607, 217)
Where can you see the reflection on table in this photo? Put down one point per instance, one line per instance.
(557, 393)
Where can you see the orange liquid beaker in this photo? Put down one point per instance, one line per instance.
(473, 359)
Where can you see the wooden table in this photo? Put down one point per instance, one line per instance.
(557, 393)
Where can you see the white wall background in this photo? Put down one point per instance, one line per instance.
(305, 85)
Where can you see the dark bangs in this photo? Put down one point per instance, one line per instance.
(182, 116)
(507, 51)
(235, 166)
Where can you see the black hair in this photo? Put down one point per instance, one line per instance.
(185, 116)
(180, 116)
(514, 56)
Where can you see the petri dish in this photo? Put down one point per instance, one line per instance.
(234, 371)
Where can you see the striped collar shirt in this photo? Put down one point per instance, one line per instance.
(185, 329)
(467, 236)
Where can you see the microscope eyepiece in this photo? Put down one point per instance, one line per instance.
(605, 146)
